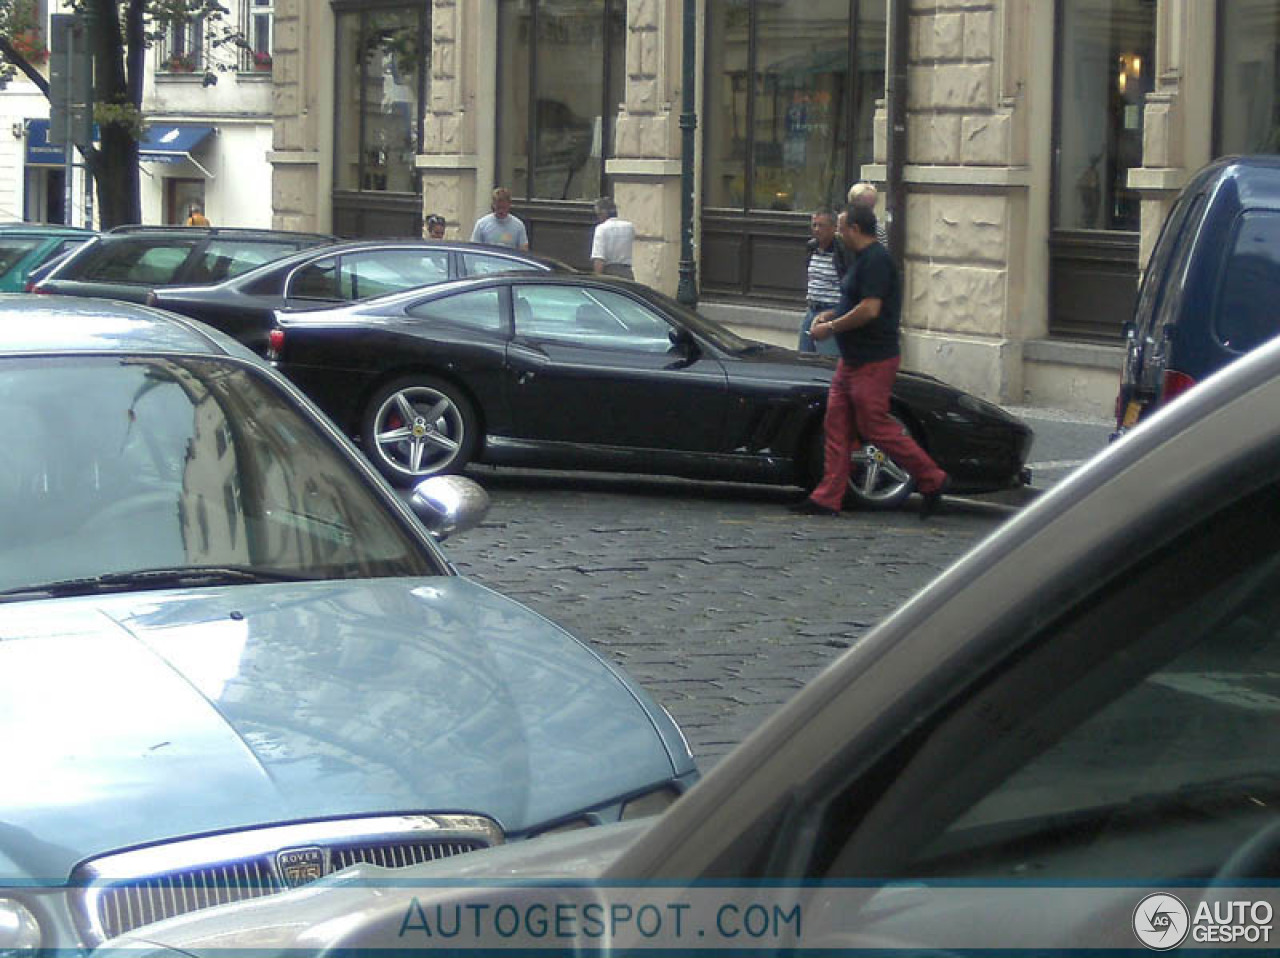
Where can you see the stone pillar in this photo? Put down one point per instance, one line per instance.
(459, 136)
(969, 276)
(1178, 114)
(302, 109)
(646, 159)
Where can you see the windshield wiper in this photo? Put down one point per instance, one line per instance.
(143, 579)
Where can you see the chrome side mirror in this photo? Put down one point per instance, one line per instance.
(449, 504)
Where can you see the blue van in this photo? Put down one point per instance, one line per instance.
(1211, 291)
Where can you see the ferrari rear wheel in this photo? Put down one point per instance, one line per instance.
(419, 426)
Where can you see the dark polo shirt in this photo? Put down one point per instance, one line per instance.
(872, 275)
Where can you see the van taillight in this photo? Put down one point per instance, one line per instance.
(1175, 384)
(275, 341)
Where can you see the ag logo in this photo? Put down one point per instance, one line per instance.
(1161, 921)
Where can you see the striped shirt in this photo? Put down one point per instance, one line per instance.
(824, 283)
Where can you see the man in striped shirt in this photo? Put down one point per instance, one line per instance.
(827, 263)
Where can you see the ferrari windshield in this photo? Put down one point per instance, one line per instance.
(123, 464)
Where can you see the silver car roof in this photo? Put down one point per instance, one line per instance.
(74, 324)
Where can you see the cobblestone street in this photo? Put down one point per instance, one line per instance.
(720, 602)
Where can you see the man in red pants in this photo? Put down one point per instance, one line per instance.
(865, 326)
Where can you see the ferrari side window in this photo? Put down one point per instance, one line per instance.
(478, 309)
(588, 317)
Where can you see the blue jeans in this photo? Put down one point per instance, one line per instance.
(826, 347)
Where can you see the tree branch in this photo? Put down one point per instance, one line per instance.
(20, 62)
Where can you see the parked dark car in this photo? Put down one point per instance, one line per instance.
(244, 306)
(1077, 716)
(25, 247)
(128, 262)
(1211, 291)
(590, 372)
(223, 635)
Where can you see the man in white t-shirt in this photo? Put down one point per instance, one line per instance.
(500, 228)
(611, 241)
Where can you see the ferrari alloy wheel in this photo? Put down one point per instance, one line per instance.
(418, 427)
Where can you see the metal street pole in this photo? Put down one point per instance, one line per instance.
(68, 144)
(89, 20)
(687, 292)
(896, 107)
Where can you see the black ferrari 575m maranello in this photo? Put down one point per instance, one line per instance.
(589, 372)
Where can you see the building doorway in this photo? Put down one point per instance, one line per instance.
(45, 198)
(179, 196)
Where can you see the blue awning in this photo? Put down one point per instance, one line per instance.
(171, 144)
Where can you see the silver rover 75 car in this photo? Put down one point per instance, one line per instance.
(232, 660)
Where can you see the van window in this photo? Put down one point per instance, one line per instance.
(1154, 278)
(1248, 311)
(1175, 280)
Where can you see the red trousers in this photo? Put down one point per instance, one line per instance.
(858, 405)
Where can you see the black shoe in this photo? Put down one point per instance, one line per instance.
(807, 507)
(931, 502)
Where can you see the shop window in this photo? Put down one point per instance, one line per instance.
(384, 59)
(562, 76)
(790, 99)
(1249, 77)
(1107, 69)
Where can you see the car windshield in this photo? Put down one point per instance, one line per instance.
(178, 465)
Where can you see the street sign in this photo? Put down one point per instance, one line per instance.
(70, 82)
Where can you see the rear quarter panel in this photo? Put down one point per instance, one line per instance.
(341, 365)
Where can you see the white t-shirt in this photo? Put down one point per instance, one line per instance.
(612, 242)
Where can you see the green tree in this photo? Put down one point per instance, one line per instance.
(120, 33)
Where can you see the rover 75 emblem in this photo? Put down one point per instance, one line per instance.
(297, 866)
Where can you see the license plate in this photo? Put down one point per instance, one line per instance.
(1131, 413)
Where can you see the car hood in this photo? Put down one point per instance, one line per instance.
(138, 718)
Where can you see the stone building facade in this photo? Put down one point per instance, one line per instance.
(1043, 143)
